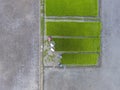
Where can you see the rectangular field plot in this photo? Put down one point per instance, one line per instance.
(73, 28)
(80, 59)
(71, 7)
(80, 45)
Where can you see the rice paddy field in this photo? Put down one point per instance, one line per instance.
(80, 45)
(72, 8)
(78, 36)
(73, 29)
(80, 59)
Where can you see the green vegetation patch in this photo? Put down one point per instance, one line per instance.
(71, 7)
(80, 59)
(73, 28)
(81, 45)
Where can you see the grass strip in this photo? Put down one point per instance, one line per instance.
(73, 28)
(71, 7)
(81, 45)
(80, 59)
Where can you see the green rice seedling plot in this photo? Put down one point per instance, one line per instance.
(73, 28)
(72, 7)
(81, 45)
(80, 59)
